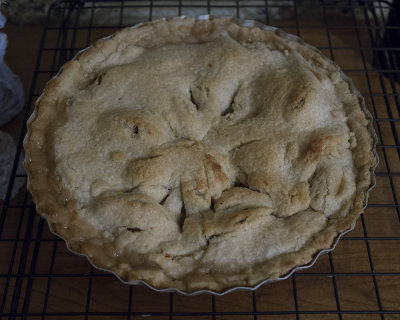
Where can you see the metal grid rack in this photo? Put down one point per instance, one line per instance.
(40, 279)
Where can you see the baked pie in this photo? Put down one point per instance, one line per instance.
(200, 153)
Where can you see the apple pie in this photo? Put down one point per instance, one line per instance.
(200, 153)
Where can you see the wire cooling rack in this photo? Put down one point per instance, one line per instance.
(40, 279)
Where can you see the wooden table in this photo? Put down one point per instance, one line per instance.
(355, 292)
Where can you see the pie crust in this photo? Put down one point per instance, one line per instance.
(200, 153)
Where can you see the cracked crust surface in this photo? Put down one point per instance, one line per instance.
(199, 154)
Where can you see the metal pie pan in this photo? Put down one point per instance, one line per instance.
(290, 37)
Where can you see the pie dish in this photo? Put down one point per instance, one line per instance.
(200, 153)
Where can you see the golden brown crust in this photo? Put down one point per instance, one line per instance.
(261, 145)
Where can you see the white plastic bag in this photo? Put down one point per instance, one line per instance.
(11, 91)
(11, 103)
